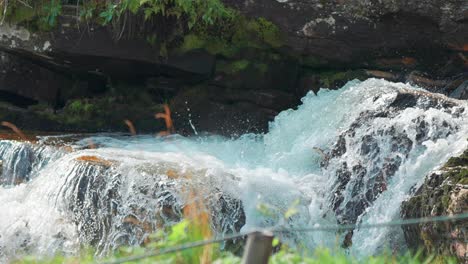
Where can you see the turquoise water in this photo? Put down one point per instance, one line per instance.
(277, 170)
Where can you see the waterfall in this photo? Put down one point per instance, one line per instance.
(346, 156)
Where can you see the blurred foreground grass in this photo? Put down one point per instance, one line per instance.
(184, 232)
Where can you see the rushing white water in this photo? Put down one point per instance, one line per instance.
(346, 156)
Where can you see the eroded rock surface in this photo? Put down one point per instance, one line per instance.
(379, 142)
(445, 192)
(344, 30)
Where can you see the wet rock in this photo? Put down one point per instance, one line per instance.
(24, 83)
(419, 79)
(198, 64)
(21, 160)
(227, 111)
(308, 83)
(389, 76)
(444, 192)
(112, 206)
(461, 92)
(256, 70)
(364, 159)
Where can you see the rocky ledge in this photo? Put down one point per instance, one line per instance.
(229, 78)
(445, 192)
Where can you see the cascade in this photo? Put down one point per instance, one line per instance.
(342, 157)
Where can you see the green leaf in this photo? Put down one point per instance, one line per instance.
(264, 209)
(179, 232)
(275, 242)
(292, 210)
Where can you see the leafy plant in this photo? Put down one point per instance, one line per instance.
(87, 11)
(52, 10)
(108, 14)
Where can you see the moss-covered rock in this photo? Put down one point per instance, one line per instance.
(445, 192)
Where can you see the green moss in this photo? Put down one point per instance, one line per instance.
(329, 78)
(21, 14)
(39, 107)
(232, 35)
(261, 67)
(458, 161)
(266, 31)
(35, 15)
(434, 198)
(192, 42)
(335, 79)
(203, 24)
(463, 177)
(239, 65)
(232, 67)
(256, 33)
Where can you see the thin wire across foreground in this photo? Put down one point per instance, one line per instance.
(178, 248)
(401, 222)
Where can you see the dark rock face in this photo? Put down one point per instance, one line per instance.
(25, 83)
(321, 44)
(343, 31)
(227, 111)
(444, 192)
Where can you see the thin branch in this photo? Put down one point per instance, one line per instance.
(24, 3)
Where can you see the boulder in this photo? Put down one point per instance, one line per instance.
(367, 155)
(112, 208)
(444, 192)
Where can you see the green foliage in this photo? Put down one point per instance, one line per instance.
(190, 12)
(193, 12)
(87, 11)
(267, 32)
(292, 210)
(108, 14)
(80, 108)
(185, 231)
(21, 13)
(52, 10)
(232, 35)
(42, 15)
(458, 161)
(239, 65)
(330, 77)
(202, 24)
